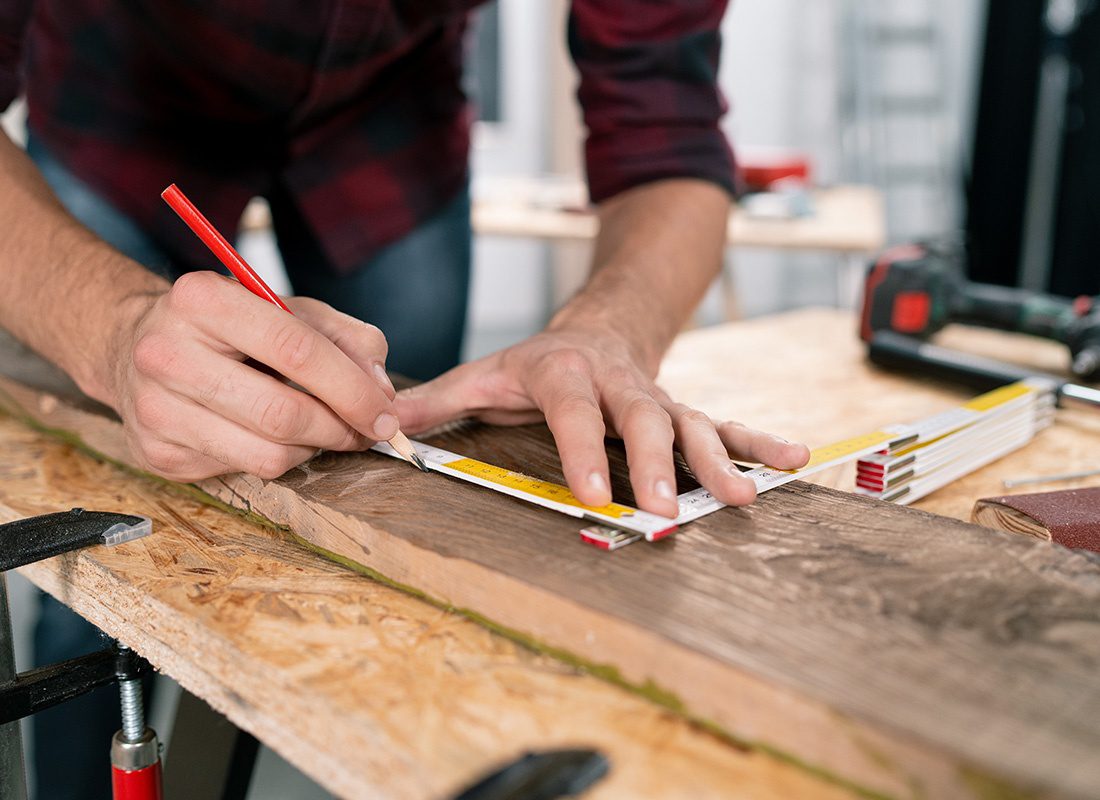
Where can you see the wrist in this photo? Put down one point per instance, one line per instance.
(100, 366)
(613, 327)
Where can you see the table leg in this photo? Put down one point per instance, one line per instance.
(730, 304)
(209, 758)
(849, 280)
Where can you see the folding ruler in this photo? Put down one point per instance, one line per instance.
(617, 525)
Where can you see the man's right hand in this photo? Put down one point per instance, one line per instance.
(192, 380)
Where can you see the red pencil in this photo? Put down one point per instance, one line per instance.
(229, 256)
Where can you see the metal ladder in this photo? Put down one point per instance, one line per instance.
(897, 130)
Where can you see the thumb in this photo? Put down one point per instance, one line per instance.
(453, 395)
(360, 341)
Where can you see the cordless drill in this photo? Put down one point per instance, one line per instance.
(917, 289)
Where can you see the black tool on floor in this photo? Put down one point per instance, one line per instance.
(917, 289)
(135, 755)
(541, 776)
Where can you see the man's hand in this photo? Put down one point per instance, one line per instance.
(193, 381)
(592, 371)
(588, 385)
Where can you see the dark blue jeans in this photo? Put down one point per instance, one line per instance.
(415, 291)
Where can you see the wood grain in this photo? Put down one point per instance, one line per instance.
(371, 692)
(915, 655)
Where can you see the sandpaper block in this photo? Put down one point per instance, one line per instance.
(1070, 518)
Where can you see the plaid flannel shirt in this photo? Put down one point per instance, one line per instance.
(354, 108)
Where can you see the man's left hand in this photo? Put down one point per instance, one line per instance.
(588, 384)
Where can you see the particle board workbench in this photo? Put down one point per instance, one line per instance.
(912, 655)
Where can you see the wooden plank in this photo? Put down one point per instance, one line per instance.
(364, 688)
(913, 654)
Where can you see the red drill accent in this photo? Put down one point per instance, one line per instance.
(910, 313)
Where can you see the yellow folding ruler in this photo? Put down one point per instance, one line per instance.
(619, 525)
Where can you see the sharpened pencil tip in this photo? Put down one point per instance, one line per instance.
(416, 459)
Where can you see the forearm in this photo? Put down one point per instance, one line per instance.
(66, 293)
(659, 248)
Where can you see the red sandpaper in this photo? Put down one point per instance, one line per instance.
(1072, 516)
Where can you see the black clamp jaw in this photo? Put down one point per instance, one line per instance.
(45, 687)
(33, 539)
(26, 541)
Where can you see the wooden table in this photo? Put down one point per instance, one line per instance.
(848, 220)
(373, 692)
(845, 218)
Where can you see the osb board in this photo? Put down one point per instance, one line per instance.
(815, 385)
(914, 655)
(366, 689)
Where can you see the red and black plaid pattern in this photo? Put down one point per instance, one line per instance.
(354, 108)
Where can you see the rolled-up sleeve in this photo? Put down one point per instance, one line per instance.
(649, 92)
(13, 23)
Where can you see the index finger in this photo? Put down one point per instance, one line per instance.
(568, 401)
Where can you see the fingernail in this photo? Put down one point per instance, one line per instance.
(732, 469)
(383, 379)
(663, 489)
(780, 439)
(598, 482)
(385, 427)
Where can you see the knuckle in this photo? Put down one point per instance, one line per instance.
(153, 354)
(216, 387)
(294, 346)
(693, 417)
(349, 440)
(270, 464)
(166, 460)
(367, 402)
(577, 404)
(280, 416)
(192, 291)
(642, 408)
(566, 362)
(373, 336)
(150, 410)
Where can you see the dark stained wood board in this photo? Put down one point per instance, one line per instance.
(912, 654)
